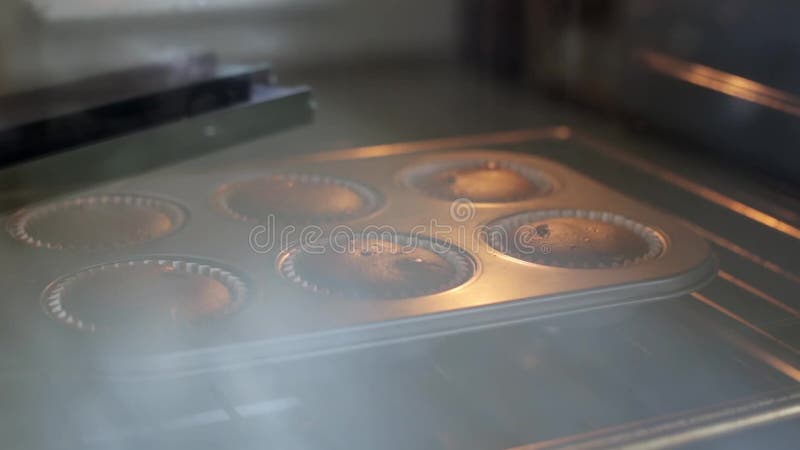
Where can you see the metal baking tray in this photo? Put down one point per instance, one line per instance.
(279, 319)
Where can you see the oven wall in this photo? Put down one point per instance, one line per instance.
(590, 52)
(37, 48)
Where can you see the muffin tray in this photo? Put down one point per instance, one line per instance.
(196, 269)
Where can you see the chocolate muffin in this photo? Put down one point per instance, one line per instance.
(297, 199)
(483, 181)
(93, 222)
(144, 296)
(575, 238)
(377, 267)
